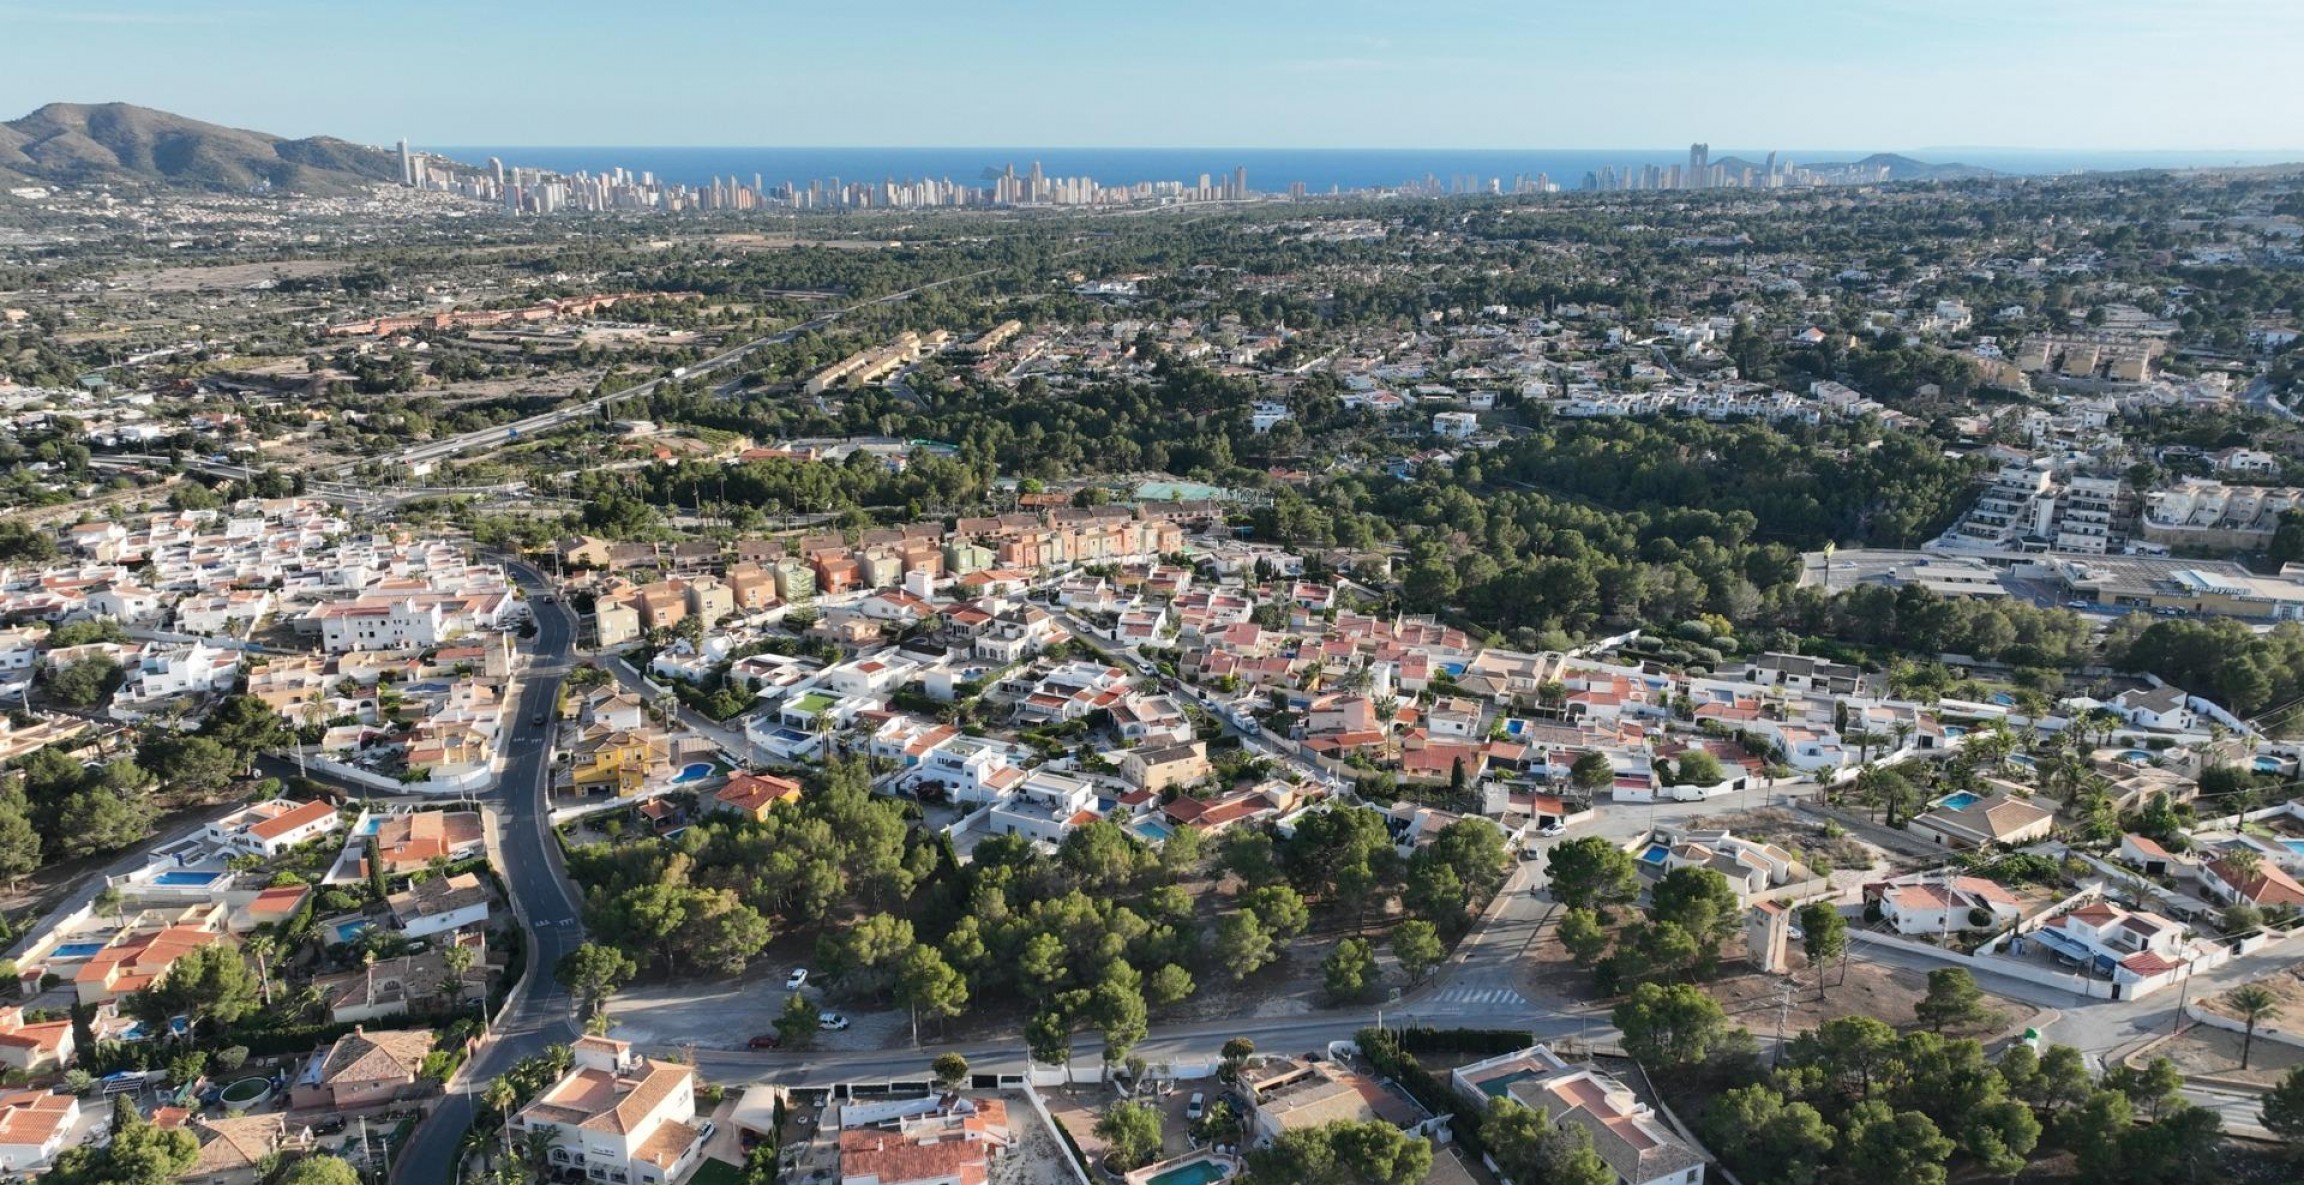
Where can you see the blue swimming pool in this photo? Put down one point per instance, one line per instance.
(1958, 802)
(2267, 765)
(695, 771)
(2021, 759)
(370, 825)
(186, 878)
(78, 950)
(1655, 854)
(2003, 699)
(2135, 756)
(347, 931)
(1954, 730)
(1198, 1172)
(1152, 829)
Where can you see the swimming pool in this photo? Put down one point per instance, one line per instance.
(369, 826)
(2135, 756)
(1197, 1172)
(1655, 854)
(186, 878)
(347, 931)
(2003, 699)
(2021, 759)
(1958, 802)
(2267, 765)
(78, 950)
(1954, 730)
(693, 772)
(1152, 829)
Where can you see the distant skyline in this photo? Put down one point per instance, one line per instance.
(1873, 75)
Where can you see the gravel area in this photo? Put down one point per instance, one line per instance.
(1039, 1157)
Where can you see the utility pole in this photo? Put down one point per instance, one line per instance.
(1783, 1009)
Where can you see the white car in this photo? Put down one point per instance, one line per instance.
(1551, 829)
(797, 980)
(1196, 1108)
(831, 1020)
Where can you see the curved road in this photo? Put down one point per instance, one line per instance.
(1479, 985)
(539, 1013)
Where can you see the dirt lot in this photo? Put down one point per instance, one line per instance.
(1852, 860)
(228, 278)
(2288, 985)
(1886, 994)
(1752, 999)
(2202, 1050)
(1075, 1108)
(1038, 1156)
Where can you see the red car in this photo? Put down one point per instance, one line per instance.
(764, 1041)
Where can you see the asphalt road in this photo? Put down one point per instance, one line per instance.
(1480, 984)
(540, 1014)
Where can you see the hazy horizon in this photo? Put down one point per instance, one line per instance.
(2110, 76)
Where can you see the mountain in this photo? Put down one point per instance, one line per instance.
(1900, 168)
(1904, 168)
(116, 143)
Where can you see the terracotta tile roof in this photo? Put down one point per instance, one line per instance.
(133, 965)
(660, 1079)
(2268, 885)
(2146, 962)
(229, 1145)
(890, 1159)
(752, 793)
(361, 1056)
(33, 1118)
(301, 815)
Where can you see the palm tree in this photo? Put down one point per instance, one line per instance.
(310, 1002)
(537, 1143)
(262, 947)
(2254, 1002)
(456, 960)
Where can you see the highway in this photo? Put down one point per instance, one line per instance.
(540, 1013)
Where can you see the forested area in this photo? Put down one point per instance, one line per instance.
(1092, 937)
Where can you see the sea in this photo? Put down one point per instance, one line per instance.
(1270, 170)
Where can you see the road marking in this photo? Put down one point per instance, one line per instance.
(1501, 997)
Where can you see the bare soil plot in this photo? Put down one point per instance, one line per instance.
(2203, 1050)
(230, 277)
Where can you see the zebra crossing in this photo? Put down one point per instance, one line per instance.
(1486, 997)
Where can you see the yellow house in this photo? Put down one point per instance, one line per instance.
(754, 795)
(621, 758)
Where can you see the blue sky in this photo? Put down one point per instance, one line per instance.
(1873, 74)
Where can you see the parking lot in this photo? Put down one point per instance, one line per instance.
(725, 1013)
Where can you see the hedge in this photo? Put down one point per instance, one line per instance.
(1384, 1051)
(1482, 1041)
